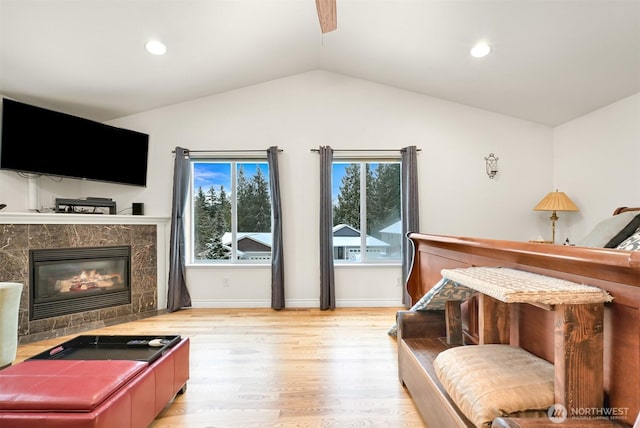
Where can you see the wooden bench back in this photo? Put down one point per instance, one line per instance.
(616, 271)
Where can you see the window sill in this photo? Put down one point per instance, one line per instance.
(368, 265)
(228, 265)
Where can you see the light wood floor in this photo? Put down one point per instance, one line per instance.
(293, 368)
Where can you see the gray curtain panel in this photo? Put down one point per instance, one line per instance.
(178, 295)
(410, 215)
(277, 261)
(327, 278)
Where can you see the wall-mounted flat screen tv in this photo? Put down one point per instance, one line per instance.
(41, 141)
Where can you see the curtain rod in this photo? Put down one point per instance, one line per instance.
(226, 151)
(365, 150)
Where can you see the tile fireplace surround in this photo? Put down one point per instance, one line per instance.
(147, 236)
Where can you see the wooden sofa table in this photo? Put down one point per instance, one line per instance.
(591, 345)
(578, 324)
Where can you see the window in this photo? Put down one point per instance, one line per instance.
(231, 211)
(366, 197)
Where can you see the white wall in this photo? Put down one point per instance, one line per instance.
(596, 162)
(317, 108)
(593, 159)
(305, 111)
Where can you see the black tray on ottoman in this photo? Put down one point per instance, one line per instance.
(109, 348)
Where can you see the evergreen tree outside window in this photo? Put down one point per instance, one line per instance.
(366, 197)
(231, 212)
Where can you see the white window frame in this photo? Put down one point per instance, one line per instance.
(190, 224)
(363, 160)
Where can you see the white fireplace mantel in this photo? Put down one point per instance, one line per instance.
(64, 218)
(162, 231)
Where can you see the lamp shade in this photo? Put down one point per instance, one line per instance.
(556, 201)
(327, 15)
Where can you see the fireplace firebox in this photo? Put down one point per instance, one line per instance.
(65, 281)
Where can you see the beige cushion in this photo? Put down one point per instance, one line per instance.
(488, 381)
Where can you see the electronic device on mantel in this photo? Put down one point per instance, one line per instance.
(86, 206)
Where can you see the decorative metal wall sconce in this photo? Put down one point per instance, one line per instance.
(492, 165)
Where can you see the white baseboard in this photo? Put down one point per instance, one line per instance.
(296, 303)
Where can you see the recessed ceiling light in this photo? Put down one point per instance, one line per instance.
(480, 50)
(155, 47)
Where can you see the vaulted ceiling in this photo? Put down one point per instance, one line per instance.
(551, 61)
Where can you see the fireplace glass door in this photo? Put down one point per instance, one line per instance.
(72, 280)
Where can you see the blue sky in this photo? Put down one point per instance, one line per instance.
(338, 173)
(218, 174)
(336, 178)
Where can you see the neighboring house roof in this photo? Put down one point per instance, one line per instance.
(350, 238)
(393, 228)
(263, 238)
(345, 230)
(354, 241)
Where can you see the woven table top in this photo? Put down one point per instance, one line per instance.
(517, 286)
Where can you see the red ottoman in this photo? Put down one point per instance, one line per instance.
(91, 393)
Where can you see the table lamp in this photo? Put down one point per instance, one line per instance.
(555, 201)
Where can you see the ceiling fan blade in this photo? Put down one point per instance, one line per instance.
(327, 15)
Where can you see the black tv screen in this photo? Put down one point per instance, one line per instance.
(41, 141)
